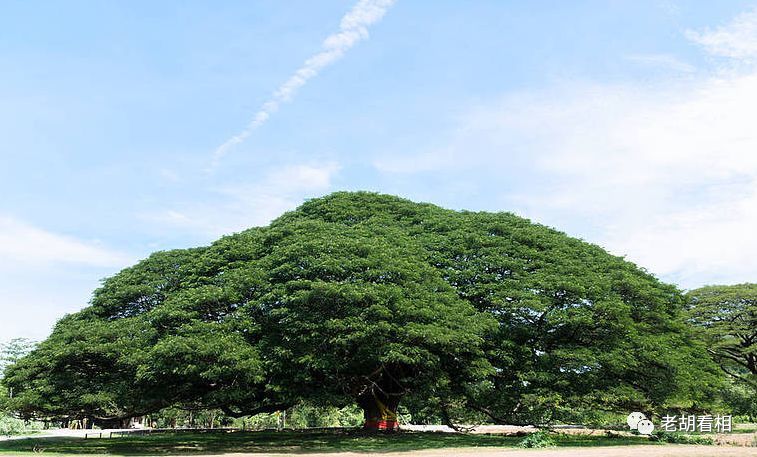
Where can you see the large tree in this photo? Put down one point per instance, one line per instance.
(367, 298)
(728, 315)
(578, 329)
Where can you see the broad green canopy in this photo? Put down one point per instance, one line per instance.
(368, 298)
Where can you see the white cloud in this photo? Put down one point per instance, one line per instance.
(664, 173)
(238, 207)
(34, 299)
(44, 275)
(23, 243)
(710, 243)
(300, 178)
(352, 29)
(737, 39)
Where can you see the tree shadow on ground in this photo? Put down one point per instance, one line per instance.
(296, 442)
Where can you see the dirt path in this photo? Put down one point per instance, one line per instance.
(608, 451)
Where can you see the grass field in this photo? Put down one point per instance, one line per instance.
(187, 443)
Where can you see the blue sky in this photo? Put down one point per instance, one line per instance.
(628, 123)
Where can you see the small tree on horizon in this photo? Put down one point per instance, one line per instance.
(13, 350)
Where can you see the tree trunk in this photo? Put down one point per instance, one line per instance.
(379, 406)
(112, 423)
(281, 423)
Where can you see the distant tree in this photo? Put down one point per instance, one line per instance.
(374, 300)
(728, 315)
(13, 350)
(741, 399)
(10, 353)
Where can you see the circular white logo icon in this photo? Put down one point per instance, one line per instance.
(645, 427)
(638, 421)
(634, 419)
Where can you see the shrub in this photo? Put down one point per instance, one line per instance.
(11, 426)
(537, 439)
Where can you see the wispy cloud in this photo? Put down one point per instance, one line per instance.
(23, 243)
(232, 208)
(663, 172)
(44, 275)
(737, 39)
(353, 28)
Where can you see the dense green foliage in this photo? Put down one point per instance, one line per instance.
(371, 299)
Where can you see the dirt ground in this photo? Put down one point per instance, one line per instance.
(613, 451)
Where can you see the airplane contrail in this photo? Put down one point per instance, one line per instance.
(353, 28)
